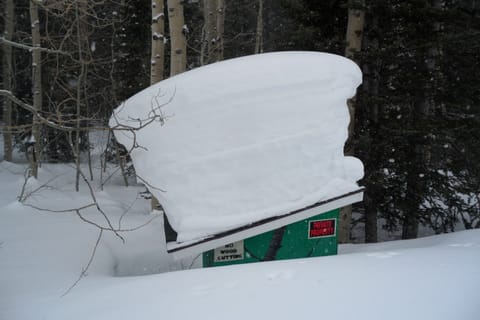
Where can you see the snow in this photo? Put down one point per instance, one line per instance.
(45, 247)
(242, 140)
(42, 253)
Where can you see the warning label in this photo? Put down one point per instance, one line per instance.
(230, 252)
(321, 228)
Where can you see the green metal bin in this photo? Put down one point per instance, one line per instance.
(312, 237)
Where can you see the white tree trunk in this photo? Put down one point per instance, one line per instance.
(7, 80)
(220, 29)
(157, 59)
(178, 41)
(356, 21)
(158, 37)
(213, 29)
(36, 87)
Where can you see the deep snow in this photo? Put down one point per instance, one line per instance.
(42, 254)
(244, 139)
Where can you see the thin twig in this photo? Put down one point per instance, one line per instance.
(78, 210)
(32, 48)
(94, 198)
(85, 269)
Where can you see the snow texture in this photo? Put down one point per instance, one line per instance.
(42, 254)
(242, 140)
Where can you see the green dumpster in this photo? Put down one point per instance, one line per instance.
(312, 237)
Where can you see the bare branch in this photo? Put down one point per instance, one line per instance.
(78, 210)
(30, 108)
(23, 195)
(55, 124)
(85, 269)
(31, 48)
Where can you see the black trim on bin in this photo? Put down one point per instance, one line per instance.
(260, 222)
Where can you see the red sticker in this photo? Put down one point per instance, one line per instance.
(321, 228)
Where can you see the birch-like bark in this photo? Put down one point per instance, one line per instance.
(158, 37)
(220, 26)
(213, 29)
(157, 58)
(178, 41)
(36, 88)
(7, 80)
(355, 25)
(209, 31)
(356, 21)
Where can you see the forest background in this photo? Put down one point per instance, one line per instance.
(67, 64)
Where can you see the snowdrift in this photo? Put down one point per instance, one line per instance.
(242, 140)
(43, 253)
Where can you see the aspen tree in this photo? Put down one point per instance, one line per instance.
(259, 30)
(209, 31)
(213, 29)
(356, 21)
(157, 53)
(178, 41)
(7, 80)
(220, 26)
(158, 37)
(36, 88)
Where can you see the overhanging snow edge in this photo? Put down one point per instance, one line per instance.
(184, 249)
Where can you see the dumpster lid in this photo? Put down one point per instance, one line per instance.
(193, 247)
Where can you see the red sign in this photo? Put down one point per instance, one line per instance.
(321, 228)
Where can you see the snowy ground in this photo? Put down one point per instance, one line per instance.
(42, 254)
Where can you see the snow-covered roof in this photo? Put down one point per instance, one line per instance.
(239, 141)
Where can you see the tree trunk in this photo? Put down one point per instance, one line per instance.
(259, 30)
(356, 20)
(178, 59)
(80, 13)
(7, 80)
(220, 29)
(209, 31)
(36, 88)
(157, 59)
(420, 150)
(371, 88)
(213, 28)
(158, 36)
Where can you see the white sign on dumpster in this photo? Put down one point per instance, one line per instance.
(229, 252)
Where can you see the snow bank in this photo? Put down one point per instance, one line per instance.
(242, 140)
(42, 254)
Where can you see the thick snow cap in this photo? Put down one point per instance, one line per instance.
(242, 140)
